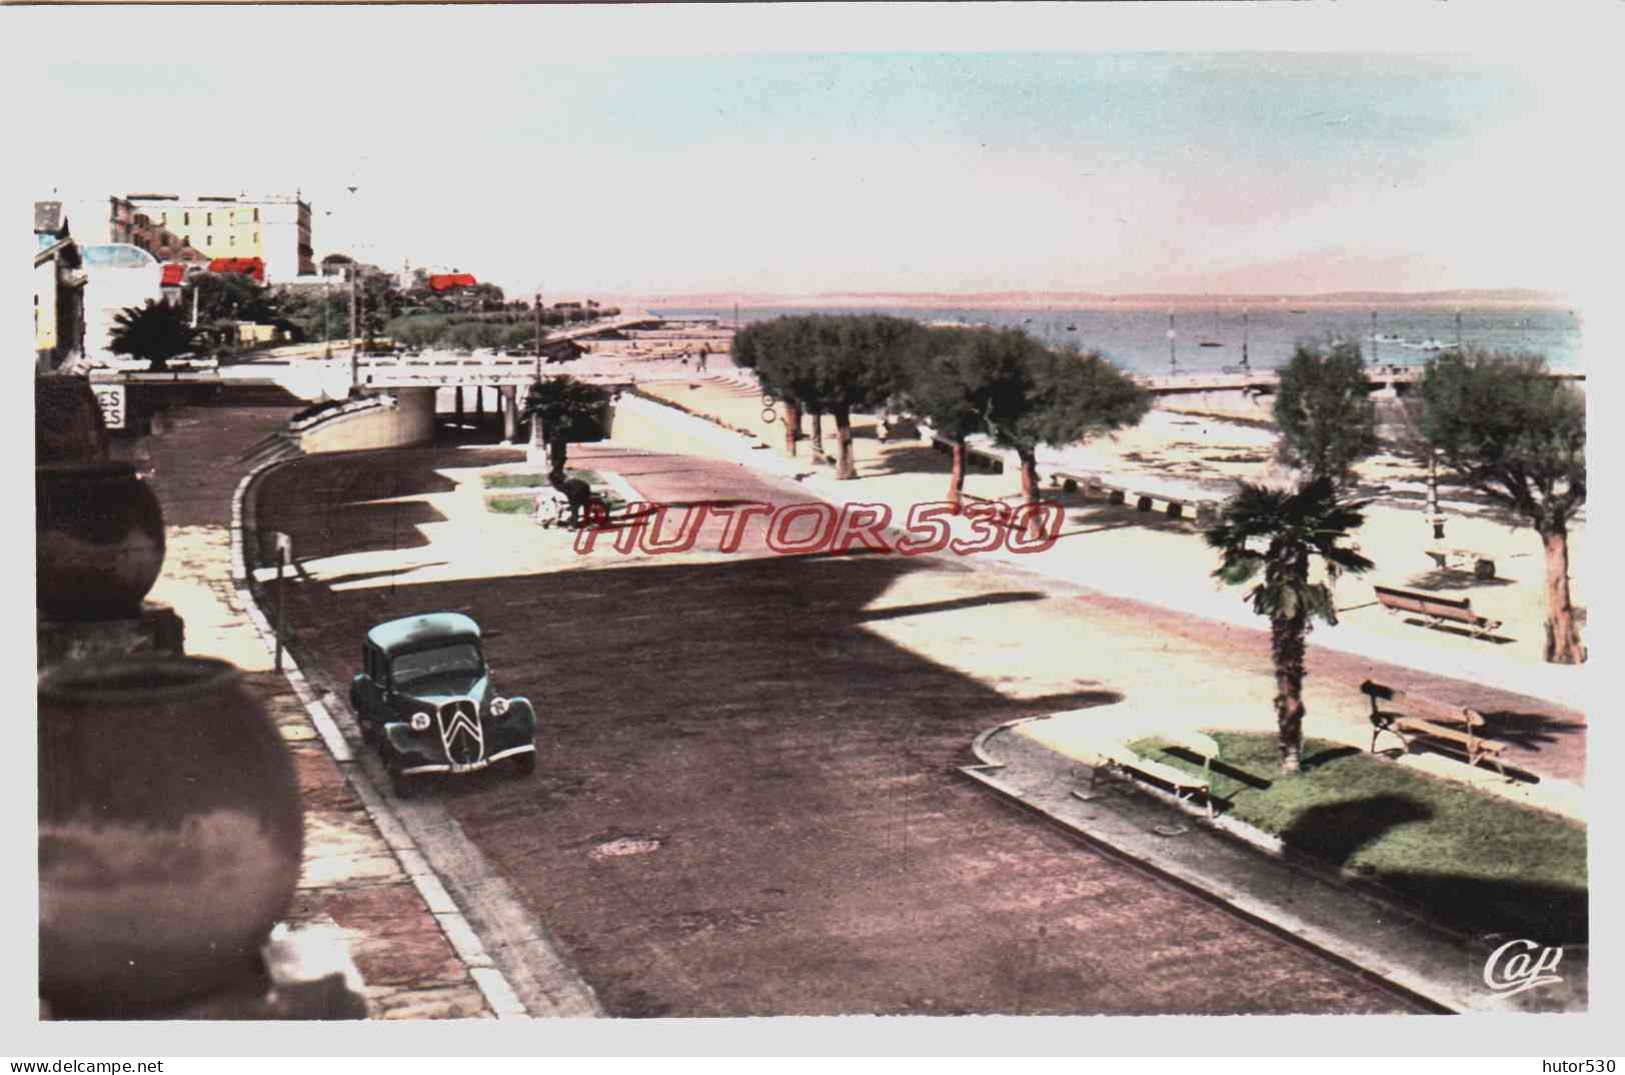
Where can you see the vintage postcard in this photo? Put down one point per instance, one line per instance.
(617, 520)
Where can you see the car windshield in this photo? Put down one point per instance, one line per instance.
(458, 657)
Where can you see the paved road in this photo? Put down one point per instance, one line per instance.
(747, 803)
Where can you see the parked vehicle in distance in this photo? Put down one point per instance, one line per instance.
(424, 701)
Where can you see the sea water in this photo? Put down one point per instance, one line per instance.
(1136, 338)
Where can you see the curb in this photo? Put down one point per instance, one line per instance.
(1277, 919)
(493, 985)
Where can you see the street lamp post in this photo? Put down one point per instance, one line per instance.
(538, 334)
(355, 360)
(355, 264)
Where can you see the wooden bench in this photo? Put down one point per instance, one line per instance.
(1432, 719)
(1436, 609)
(1122, 756)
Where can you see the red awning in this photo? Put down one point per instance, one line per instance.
(250, 266)
(174, 275)
(447, 281)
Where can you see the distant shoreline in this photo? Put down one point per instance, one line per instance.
(1073, 301)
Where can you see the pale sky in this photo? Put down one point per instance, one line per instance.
(659, 150)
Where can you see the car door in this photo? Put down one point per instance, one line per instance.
(372, 685)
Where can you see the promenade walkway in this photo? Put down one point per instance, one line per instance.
(1140, 563)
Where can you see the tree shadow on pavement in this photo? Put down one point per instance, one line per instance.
(740, 714)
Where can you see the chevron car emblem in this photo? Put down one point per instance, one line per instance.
(460, 732)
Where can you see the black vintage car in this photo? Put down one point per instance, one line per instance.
(424, 700)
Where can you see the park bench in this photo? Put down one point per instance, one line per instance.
(1459, 559)
(1122, 756)
(1432, 719)
(1436, 609)
(1176, 507)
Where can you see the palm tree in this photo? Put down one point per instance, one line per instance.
(568, 410)
(1293, 527)
(156, 331)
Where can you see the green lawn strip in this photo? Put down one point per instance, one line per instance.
(1470, 857)
(533, 479)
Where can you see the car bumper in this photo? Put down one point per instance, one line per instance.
(470, 767)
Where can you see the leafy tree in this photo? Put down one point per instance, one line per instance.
(951, 380)
(1037, 396)
(377, 301)
(568, 410)
(473, 335)
(779, 351)
(520, 334)
(822, 364)
(316, 313)
(232, 297)
(155, 331)
(1294, 527)
(1324, 411)
(858, 362)
(416, 332)
(1505, 427)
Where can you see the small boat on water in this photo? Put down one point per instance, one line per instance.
(1072, 328)
(1209, 343)
(1386, 337)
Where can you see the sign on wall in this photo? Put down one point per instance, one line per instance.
(114, 411)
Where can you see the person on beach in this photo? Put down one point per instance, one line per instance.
(704, 354)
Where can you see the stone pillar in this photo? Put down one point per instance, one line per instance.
(508, 401)
(479, 407)
(459, 406)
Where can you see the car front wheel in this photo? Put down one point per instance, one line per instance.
(403, 785)
(524, 764)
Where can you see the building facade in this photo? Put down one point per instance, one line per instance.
(127, 224)
(59, 291)
(273, 228)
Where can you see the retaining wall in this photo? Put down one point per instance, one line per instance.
(409, 422)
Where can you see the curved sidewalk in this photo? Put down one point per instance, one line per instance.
(1311, 906)
(362, 878)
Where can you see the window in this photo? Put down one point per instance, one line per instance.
(256, 238)
(186, 218)
(209, 221)
(256, 216)
(232, 217)
(163, 218)
(231, 240)
(208, 242)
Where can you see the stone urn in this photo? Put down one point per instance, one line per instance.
(170, 833)
(68, 425)
(100, 540)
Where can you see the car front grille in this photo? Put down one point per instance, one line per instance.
(460, 731)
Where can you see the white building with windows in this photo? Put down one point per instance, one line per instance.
(273, 228)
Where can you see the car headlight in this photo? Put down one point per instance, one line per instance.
(499, 707)
(420, 722)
